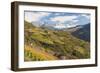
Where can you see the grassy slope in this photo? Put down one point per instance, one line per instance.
(36, 54)
(41, 42)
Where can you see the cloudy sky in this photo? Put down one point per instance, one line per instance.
(65, 18)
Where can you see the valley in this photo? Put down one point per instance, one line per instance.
(43, 44)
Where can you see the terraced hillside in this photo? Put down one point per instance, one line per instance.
(43, 44)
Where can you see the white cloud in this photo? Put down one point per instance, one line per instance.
(71, 25)
(75, 21)
(60, 26)
(72, 21)
(86, 16)
(35, 16)
(62, 19)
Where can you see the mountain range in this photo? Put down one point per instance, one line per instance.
(43, 43)
(79, 31)
(82, 32)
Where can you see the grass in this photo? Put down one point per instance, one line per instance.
(34, 54)
(53, 44)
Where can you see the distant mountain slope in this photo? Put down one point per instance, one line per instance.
(56, 44)
(83, 33)
(73, 29)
